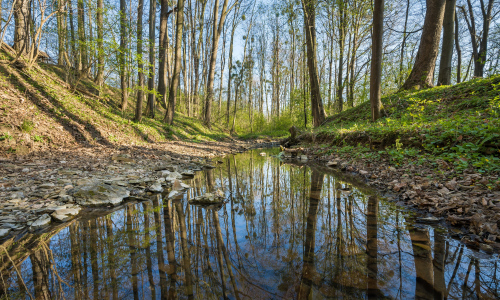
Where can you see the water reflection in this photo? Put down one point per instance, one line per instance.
(286, 231)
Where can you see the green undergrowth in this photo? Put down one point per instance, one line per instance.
(458, 125)
(40, 104)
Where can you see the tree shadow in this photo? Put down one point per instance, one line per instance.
(31, 87)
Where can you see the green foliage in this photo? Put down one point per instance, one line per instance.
(27, 126)
(38, 138)
(6, 136)
(458, 124)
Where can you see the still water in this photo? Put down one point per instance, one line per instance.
(285, 232)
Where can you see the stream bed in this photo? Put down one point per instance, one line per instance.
(284, 231)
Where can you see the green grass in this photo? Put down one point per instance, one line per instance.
(458, 124)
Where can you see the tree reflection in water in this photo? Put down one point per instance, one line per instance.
(286, 231)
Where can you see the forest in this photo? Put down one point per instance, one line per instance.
(139, 149)
(254, 66)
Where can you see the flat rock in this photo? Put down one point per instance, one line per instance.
(99, 194)
(43, 220)
(155, 187)
(63, 215)
(173, 176)
(188, 173)
(208, 198)
(428, 220)
(4, 232)
(332, 163)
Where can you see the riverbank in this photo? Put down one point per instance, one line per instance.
(40, 188)
(437, 150)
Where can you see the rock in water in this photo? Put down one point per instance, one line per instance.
(332, 163)
(209, 198)
(41, 221)
(155, 187)
(4, 232)
(63, 215)
(179, 186)
(173, 176)
(99, 194)
(188, 173)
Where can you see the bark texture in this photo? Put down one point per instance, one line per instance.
(422, 74)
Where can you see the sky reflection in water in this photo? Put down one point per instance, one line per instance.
(285, 231)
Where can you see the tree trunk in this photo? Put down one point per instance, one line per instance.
(318, 112)
(444, 77)
(72, 32)
(229, 78)
(376, 63)
(100, 43)
(172, 95)
(422, 74)
(82, 40)
(459, 51)
(61, 32)
(341, 39)
(151, 73)
(140, 64)
(123, 50)
(483, 46)
(22, 26)
(217, 29)
(403, 44)
(163, 47)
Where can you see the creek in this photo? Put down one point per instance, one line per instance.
(284, 231)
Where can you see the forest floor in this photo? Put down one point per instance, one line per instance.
(437, 150)
(40, 112)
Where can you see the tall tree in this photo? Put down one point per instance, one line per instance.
(22, 26)
(122, 52)
(459, 51)
(341, 41)
(376, 63)
(140, 64)
(422, 74)
(217, 30)
(230, 76)
(172, 94)
(444, 77)
(151, 73)
(100, 43)
(61, 31)
(82, 40)
(318, 112)
(163, 48)
(479, 44)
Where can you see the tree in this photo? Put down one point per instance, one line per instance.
(479, 45)
(422, 74)
(318, 111)
(151, 73)
(82, 40)
(140, 72)
(172, 94)
(217, 30)
(22, 19)
(444, 77)
(100, 43)
(376, 63)
(61, 32)
(121, 53)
